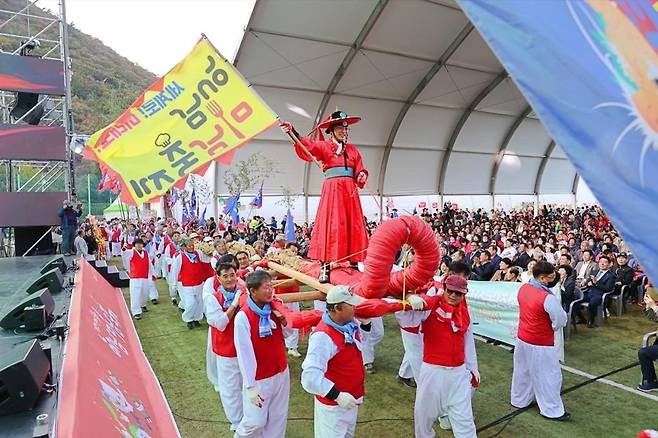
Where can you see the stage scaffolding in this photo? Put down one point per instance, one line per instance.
(24, 26)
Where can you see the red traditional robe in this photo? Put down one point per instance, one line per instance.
(339, 228)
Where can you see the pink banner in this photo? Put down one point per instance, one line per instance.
(107, 386)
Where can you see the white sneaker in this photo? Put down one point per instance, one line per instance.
(293, 352)
(444, 423)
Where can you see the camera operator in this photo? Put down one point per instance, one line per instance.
(69, 218)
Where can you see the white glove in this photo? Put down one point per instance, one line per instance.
(236, 299)
(416, 302)
(346, 400)
(254, 397)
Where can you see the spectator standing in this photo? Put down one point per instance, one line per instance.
(69, 218)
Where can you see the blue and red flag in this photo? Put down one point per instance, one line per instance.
(589, 69)
(258, 199)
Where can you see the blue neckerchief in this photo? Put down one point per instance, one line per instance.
(349, 329)
(264, 326)
(535, 283)
(157, 238)
(191, 256)
(228, 296)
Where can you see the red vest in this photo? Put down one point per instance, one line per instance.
(534, 322)
(441, 345)
(222, 341)
(192, 274)
(270, 351)
(139, 266)
(345, 369)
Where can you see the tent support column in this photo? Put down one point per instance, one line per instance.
(536, 204)
(215, 189)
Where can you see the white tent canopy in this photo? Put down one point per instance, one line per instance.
(440, 114)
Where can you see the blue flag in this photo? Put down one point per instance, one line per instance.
(588, 68)
(186, 214)
(231, 208)
(202, 221)
(290, 228)
(193, 207)
(258, 200)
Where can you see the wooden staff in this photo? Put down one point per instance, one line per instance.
(296, 297)
(301, 277)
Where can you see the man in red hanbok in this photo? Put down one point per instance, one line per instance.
(339, 232)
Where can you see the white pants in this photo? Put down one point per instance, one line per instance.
(333, 421)
(371, 340)
(443, 391)
(159, 261)
(230, 388)
(153, 291)
(116, 248)
(139, 288)
(537, 376)
(413, 355)
(292, 340)
(268, 421)
(108, 250)
(192, 302)
(211, 363)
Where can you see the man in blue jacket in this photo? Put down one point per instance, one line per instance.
(599, 283)
(69, 218)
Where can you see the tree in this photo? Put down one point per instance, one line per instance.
(288, 198)
(247, 174)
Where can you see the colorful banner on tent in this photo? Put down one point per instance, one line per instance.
(201, 110)
(107, 386)
(589, 69)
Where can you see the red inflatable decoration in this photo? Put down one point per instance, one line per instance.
(377, 280)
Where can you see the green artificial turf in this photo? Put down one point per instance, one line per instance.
(178, 357)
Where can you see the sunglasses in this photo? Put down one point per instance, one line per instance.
(454, 292)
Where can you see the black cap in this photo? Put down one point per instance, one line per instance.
(138, 241)
(622, 254)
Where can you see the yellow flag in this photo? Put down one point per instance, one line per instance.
(200, 111)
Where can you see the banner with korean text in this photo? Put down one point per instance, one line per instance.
(201, 110)
(107, 387)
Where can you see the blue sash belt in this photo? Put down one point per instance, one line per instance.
(338, 172)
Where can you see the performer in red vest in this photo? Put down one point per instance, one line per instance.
(262, 358)
(333, 367)
(140, 280)
(537, 374)
(449, 367)
(339, 229)
(115, 239)
(190, 268)
(222, 297)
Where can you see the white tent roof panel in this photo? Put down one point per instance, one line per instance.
(558, 177)
(483, 133)
(419, 75)
(426, 127)
(427, 29)
(517, 175)
(530, 138)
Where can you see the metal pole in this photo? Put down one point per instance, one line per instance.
(89, 193)
(68, 112)
(37, 242)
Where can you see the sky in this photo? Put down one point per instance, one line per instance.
(157, 34)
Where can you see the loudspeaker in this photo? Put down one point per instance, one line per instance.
(35, 317)
(52, 279)
(57, 262)
(26, 236)
(16, 317)
(23, 370)
(24, 103)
